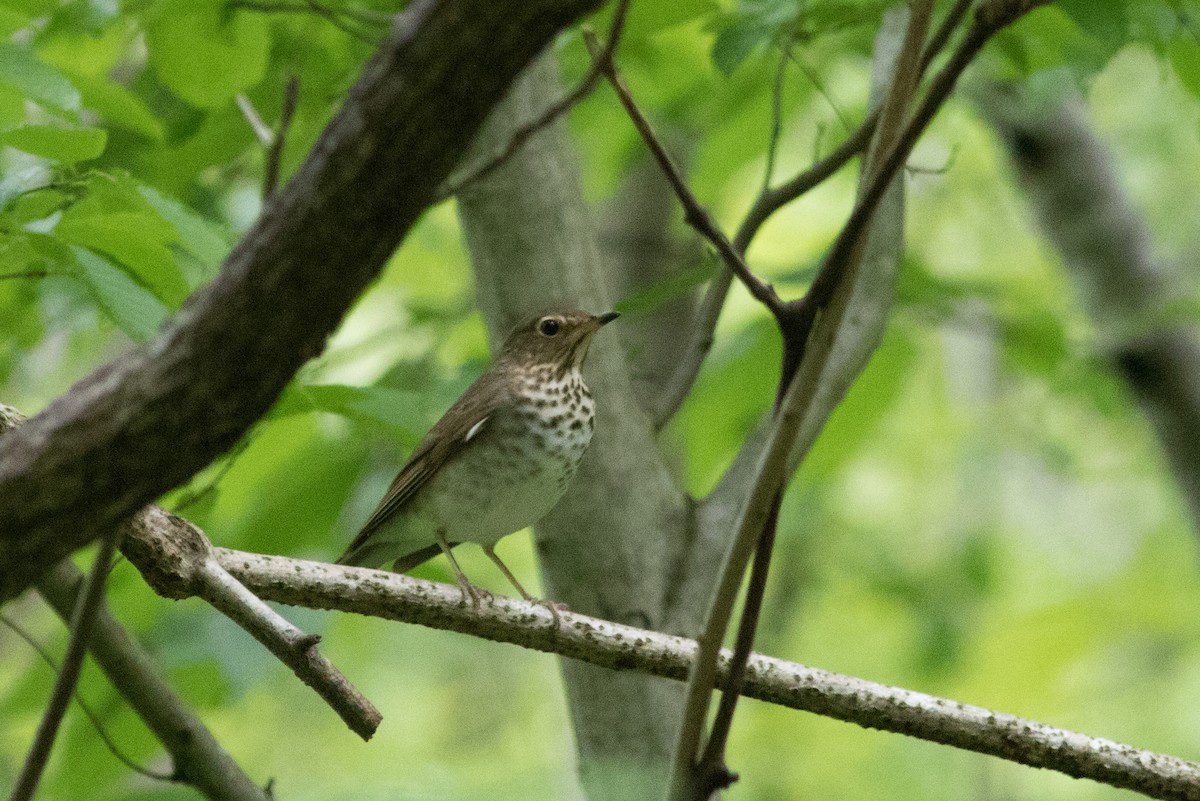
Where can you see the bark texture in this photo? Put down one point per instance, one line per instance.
(149, 420)
(608, 548)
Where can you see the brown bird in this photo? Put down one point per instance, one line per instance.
(498, 460)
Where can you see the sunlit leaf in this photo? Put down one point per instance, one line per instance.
(66, 145)
(21, 69)
(118, 106)
(206, 52)
(135, 311)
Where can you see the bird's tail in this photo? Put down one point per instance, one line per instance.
(370, 554)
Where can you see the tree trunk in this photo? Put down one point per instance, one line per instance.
(610, 546)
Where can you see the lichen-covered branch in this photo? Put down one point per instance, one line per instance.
(175, 558)
(626, 648)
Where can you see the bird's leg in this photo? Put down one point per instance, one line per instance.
(553, 607)
(469, 590)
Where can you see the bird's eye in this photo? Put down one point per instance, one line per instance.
(548, 326)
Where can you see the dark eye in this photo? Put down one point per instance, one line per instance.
(548, 326)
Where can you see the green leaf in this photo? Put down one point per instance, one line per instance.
(396, 409)
(21, 69)
(201, 238)
(1106, 21)
(36, 205)
(64, 145)
(137, 241)
(1184, 53)
(131, 307)
(204, 52)
(655, 15)
(735, 42)
(119, 106)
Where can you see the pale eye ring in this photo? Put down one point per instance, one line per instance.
(549, 326)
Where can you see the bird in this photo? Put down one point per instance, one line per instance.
(498, 460)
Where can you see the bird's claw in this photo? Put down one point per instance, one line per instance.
(473, 594)
(553, 607)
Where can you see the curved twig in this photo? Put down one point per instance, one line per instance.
(590, 80)
(695, 214)
(769, 201)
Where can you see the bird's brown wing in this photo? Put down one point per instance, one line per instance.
(457, 428)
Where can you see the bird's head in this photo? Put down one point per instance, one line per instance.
(558, 337)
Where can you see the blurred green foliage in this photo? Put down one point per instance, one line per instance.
(986, 517)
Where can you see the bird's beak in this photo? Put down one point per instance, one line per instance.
(605, 319)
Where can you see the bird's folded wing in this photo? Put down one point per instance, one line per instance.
(460, 425)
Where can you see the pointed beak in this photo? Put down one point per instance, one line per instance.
(605, 319)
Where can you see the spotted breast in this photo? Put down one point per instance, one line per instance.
(525, 457)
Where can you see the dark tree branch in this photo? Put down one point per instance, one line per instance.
(615, 646)
(522, 135)
(199, 759)
(149, 420)
(175, 558)
(83, 617)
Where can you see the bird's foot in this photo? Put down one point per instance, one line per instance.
(553, 607)
(472, 593)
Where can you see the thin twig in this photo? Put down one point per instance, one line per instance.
(68, 675)
(262, 131)
(776, 113)
(765, 205)
(199, 759)
(591, 79)
(333, 16)
(835, 262)
(319, 585)
(287, 110)
(336, 21)
(364, 15)
(695, 214)
(710, 773)
(26, 274)
(195, 496)
(815, 79)
(41, 651)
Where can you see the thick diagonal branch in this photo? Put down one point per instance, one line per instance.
(152, 418)
(176, 559)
